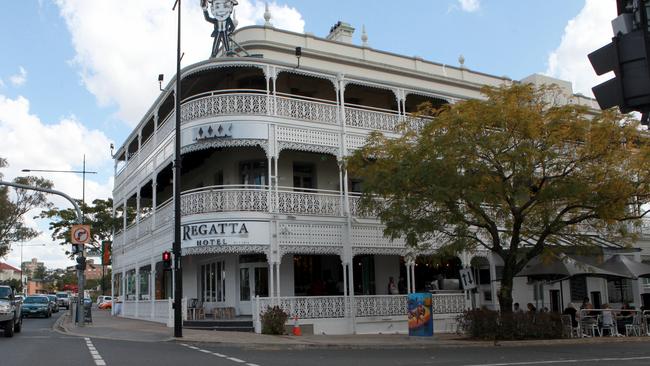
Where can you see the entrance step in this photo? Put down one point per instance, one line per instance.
(220, 325)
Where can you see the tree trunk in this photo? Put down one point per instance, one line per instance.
(505, 292)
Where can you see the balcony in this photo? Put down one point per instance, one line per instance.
(253, 102)
(286, 200)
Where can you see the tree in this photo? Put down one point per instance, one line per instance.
(99, 216)
(12, 211)
(39, 272)
(14, 283)
(517, 173)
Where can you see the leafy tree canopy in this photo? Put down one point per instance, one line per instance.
(99, 216)
(518, 173)
(14, 205)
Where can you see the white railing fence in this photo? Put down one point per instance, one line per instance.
(319, 307)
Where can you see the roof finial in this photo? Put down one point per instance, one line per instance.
(364, 36)
(267, 16)
(461, 61)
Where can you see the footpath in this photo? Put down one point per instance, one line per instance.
(116, 328)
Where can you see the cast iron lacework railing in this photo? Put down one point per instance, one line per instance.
(374, 119)
(306, 109)
(303, 201)
(225, 198)
(318, 307)
(224, 102)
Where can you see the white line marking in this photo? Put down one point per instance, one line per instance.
(204, 351)
(219, 355)
(100, 363)
(87, 339)
(252, 364)
(563, 361)
(236, 359)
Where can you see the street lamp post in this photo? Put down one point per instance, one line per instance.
(176, 247)
(81, 278)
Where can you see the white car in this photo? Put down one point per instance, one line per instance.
(101, 299)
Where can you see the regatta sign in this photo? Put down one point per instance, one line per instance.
(221, 233)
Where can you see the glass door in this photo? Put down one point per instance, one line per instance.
(253, 281)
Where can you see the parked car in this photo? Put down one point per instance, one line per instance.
(102, 299)
(37, 306)
(10, 312)
(63, 299)
(54, 303)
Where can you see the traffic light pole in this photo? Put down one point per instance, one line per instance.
(80, 274)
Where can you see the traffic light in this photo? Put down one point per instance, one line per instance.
(76, 249)
(627, 56)
(167, 260)
(81, 263)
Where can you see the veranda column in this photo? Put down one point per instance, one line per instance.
(277, 276)
(152, 287)
(407, 264)
(413, 276)
(137, 290)
(154, 195)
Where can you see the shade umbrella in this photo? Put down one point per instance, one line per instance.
(561, 267)
(624, 265)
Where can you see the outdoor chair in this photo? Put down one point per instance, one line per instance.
(612, 328)
(195, 309)
(589, 326)
(567, 325)
(635, 327)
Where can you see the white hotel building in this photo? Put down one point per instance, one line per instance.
(269, 211)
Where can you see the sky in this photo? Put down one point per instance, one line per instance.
(78, 75)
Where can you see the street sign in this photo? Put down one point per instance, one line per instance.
(467, 279)
(80, 234)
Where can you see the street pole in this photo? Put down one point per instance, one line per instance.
(81, 278)
(176, 249)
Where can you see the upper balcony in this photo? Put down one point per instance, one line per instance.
(287, 95)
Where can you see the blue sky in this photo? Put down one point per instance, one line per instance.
(78, 74)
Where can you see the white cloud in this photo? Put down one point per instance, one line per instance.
(2, 84)
(470, 5)
(19, 79)
(588, 31)
(28, 143)
(120, 50)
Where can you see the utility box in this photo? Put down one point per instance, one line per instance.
(420, 315)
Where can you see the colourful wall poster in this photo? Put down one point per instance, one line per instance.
(419, 315)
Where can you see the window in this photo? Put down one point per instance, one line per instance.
(303, 176)
(253, 172)
(145, 277)
(213, 281)
(620, 291)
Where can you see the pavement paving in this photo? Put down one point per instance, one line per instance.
(117, 328)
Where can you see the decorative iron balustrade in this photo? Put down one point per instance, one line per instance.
(319, 307)
(224, 104)
(374, 120)
(309, 202)
(306, 110)
(224, 199)
(164, 214)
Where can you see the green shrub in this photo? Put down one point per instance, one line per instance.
(273, 320)
(488, 324)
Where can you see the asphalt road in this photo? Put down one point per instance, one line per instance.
(39, 344)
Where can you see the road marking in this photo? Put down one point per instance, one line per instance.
(609, 359)
(233, 359)
(99, 361)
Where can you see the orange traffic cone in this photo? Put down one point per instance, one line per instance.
(296, 327)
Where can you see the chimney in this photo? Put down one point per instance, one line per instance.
(341, 32)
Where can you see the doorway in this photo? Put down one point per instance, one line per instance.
(253, 281)
(556, 307)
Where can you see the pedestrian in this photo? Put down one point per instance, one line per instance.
(392, 287)
(531, 308)
(517, 309)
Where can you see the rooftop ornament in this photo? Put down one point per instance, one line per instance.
(223, 25)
